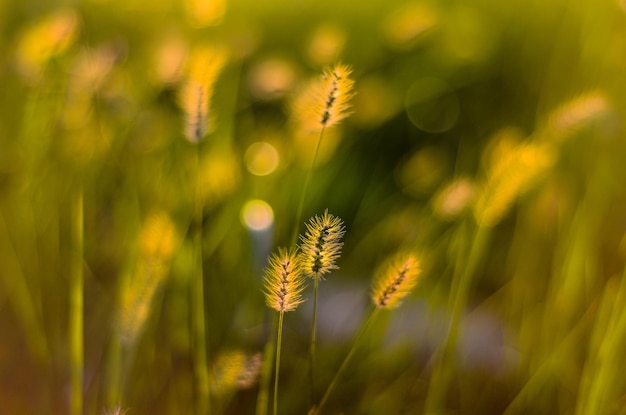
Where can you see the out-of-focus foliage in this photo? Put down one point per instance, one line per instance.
(486, 137)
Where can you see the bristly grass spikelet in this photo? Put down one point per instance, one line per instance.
(321, 245)
(515, 172)
(283, 284)
(283, 281)
(395, 280)
(325, 101)
(203, 69)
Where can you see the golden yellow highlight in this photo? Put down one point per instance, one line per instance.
(169, 60)
(203, 68)
(409, 24)
(257, 215)
(220, 176)
(202, 13)
(325, 101)
(48, 38)
(454, 198)
(511, 176)
(157, 241)
(321, 245)
(326, 44)
(261, 158)
(394, 280)
(284, 281)
(575, 115)
(234, 370)
(271, 78)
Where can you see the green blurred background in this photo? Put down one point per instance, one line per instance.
(444, 92)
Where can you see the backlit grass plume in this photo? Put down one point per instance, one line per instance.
(513, 174)
(284, 284)
(156, 247)
(283, 281)
(576, 114)
(321, 245)
(325, 101)
(394, 280)
(203, 69)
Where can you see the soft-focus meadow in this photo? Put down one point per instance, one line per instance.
(154, 154)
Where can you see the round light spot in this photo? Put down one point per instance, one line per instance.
(432, 105)
(257, 215)
(261, 158)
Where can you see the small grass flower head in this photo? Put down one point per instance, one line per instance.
(321, 244)
(203, 68)
(325, 101)
(284, 282)
(394, 280)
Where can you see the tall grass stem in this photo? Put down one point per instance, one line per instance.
(76, 304)
(305, 188)
(345, 362)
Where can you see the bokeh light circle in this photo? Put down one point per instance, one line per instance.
(262, 158)
(257, 215)
(432, 105)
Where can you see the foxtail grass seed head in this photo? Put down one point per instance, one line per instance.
(575, 115)
(47, 39)
(321, 245)
(157, 242)
(394, 280)
(203, 68)
(325, 101)
(233, 370)
(516, 172)
(284, 281)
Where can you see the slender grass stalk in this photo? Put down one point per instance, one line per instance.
(346, 360)
(279, 340)
(305, 189)
(313, 342)
(201, 347)
(461, 284)
(606, 374)
(76, 305)
(393, 281)
(321, 247)
(266, 377)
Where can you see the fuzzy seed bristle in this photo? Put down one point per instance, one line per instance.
(283, 281)
(157, 242)
(203, 69)
(395, 280)
(321, 244)
(514, 174)
(325, 101)
(576, 114)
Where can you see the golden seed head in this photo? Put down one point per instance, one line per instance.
(575, 115)
(283, 281)
(394, 280)
(203, 69)
(234, 369)
(325, 101)
(321, 244)
(516, 172)
(48, 38)
(157, 243)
